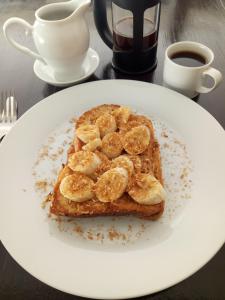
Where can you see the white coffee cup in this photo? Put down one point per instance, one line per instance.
(189, 80)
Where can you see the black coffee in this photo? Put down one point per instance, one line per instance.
(188, 59)
(123, 34)
(56, 15)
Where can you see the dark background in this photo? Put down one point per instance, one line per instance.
(196, 20)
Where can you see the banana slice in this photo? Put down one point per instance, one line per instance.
(85, 162)
(136, 160)
(93, 145)
(147, 190)
(111, 185)
(136, 140)
(124, 128)
(65, 171)
(86, 133)
(123, 161)
(103, 167)
(121, 115)
(77, 187)
(106, 124)
(112, 145)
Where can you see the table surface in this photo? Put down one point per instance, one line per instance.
(201, 21)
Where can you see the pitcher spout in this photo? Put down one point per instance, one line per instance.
(80, 6)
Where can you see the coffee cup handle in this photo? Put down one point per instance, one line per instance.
(28, 27)
(215, 75)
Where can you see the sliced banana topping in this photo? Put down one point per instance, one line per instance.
(93, 145)
(85, 162)
(147, 190)
(121, 115)
(65, 171)
(86, 133)
(136, 160)
(124, 128)
(103, 167)
(77, 187)
(111, 185)
(106, 124)
(123, 161)
(112, 145)
(136, 140)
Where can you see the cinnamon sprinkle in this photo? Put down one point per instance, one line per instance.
(41, 185)
(116, 235)
(79, 230)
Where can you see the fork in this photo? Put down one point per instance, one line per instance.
(8, 112)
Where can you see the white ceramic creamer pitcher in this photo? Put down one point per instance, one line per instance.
(60, 34)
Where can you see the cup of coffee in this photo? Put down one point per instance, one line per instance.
(185, 67)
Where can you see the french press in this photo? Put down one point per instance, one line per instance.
(134, 36)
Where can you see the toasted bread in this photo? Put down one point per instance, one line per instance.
(146, 162)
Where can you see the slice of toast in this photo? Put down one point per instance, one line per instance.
(125, 205)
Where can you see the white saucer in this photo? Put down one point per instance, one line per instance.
(44, 72)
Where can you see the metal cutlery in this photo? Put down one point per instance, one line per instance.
(8, 112)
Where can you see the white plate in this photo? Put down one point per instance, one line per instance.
(182, 244)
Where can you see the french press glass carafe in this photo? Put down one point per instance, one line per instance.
(135, 25)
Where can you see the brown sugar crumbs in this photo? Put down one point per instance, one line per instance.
(51, 140)
(78, 229)
(90, 234)
(164, 134)
(65, 142)
(113, 234)
(68, 130)
(60, 150)
(47, 199)
(73, 120)
(184, 173)
(41, 185)
(129, 228)
(44, 152)
(165, 145)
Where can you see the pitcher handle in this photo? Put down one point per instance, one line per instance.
(100, 16)
(23, 49)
